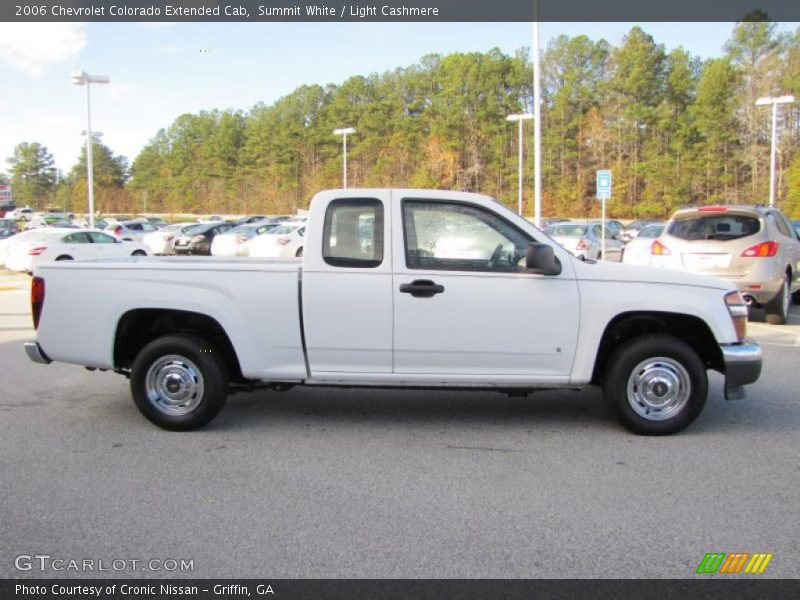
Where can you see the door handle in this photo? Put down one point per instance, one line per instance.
(421, 288)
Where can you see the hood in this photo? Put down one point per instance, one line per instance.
(611, 271)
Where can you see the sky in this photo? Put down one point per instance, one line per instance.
(161, 70)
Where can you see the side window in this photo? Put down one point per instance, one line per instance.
(353, 233)
(77, 238)
(783, 225)
(449, 236)
(102, 238)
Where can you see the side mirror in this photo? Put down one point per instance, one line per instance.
(541, 259)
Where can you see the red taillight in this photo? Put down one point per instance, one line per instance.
(198, 238)
(282, 241)
(118, 230)
(582, 245)
(713, 209)
(763, 249)
(37, 251)
(241, 239)
(37, 299)
(659, 249)
(169, 238)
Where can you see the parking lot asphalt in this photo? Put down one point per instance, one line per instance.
(374, 483)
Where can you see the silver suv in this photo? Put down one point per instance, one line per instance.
(754, 247)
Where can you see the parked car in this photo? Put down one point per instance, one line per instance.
(6, 208)
(639, 251)
(162, 241)
(21, 214)
(8, 227)
(546, 222)
(49, 245)
(615, 227)
(236, 241)
(99, 223)
(133, 230)
(395, 315)
(584, 240)
(157, 221)
(198, 238)
(211, 219)
(284, 241)
(796, 225)
(754, 247)
(631, 231)
(40, 221)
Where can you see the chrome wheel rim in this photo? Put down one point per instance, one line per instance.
(174, 385)
(658, 388)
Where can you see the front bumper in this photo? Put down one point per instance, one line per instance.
(36, 354)
(742, 366)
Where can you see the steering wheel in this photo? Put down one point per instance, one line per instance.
(496, 256)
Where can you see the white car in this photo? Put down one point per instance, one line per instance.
(639, 250)
(21, 214)
(133, 230)
(284, 241)
(236, 241)
(48, 245)
(162, 241)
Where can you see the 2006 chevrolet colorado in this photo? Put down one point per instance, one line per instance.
(400, 288)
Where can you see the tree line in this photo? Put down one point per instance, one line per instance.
(673, 129)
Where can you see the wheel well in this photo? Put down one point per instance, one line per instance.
(139, 327)
(690, 329)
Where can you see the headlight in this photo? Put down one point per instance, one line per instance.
(738, 311)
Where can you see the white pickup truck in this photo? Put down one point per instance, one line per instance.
(399, 288)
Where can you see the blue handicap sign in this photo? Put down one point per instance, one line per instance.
(604, 184)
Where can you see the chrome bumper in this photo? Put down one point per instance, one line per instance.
(36, 354)
(742, 366)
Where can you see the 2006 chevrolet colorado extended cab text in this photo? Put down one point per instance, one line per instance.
(399, 288)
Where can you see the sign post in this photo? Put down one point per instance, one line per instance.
(603, 194)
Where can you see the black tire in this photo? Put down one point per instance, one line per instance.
(777, 309)
(299, 252)
(138, 253)
(193, 357)
(652, 356)
(64, 257)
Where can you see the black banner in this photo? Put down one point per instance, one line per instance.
(378, 589)
(398, 10)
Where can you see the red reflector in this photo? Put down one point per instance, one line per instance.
(37, 299)
(713, 209)
(37, 251)
(765, 249)
(118, 230)
(755, 286)
(659, 249)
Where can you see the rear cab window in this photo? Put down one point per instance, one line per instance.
(353, 233)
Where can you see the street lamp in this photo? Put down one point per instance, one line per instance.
(344, 133)
(519, 119)
(774, 101)
(83, 78)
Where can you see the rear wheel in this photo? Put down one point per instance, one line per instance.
(655, 385)
(179, 382)
(139, 253)
(777, 309)
(299, 252)
(63, 257)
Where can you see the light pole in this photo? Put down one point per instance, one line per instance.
(83, 78)
(774, 101)
(519, 118)
(344, 133)
(537, 122)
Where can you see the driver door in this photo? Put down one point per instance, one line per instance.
(465, 305)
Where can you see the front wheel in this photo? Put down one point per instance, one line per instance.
(139, 253)
(179, 382)
(655, 385)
